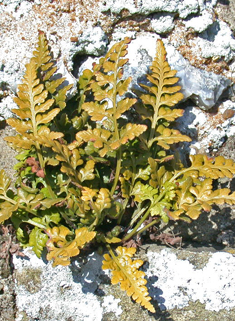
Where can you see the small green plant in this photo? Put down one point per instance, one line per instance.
(86, 174)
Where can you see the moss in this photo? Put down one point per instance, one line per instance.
(196, 311)
(30, 278)
(23, 316)
(198, 260)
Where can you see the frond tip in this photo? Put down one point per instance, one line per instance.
(125, 271)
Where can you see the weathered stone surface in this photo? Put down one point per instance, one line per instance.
(182, 282)
(184, 8)
(209, 131)
(7, 298)
(217, 41)
(77, 29)
(162, 22)
(201, 22)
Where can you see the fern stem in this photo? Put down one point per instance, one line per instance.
(173, 178)
(145, 216)
(118, 169)
(135, 215)
(35, 224)
(155, 117)
(148, 225)
(135, 229)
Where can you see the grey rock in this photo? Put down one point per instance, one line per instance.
(203, 87)
(6, 104)
(209, 134)
(226, 12)
(207, 4)
(177, 280)
(227, 238)
(93, 42)
(187, 7)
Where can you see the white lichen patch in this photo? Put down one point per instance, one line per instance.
(64, 291)
(178, 282)
(208, 131)
(111, 304)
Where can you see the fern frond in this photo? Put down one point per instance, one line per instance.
(70, 160)
(6, 210)
(129, 132)
(37, 240)
(125, 271)
(47, 68)
(98, 136)
(34, 110)
(193, 197)
(212, 167)
(60, 250)
(166, 137)
(108, 107)
(209, 167)
(7, 205)
(162, 94)
(37, 97)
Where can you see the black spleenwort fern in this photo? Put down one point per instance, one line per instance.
(87, 174)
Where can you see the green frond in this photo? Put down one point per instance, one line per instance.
(98, 136)
(69, 159)
(37, 240)
(128, 132)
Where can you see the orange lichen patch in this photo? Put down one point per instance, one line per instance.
(136, 23)
(74, 39)
(185, 40)
(228, 113)
(215, 119)
(73, 8)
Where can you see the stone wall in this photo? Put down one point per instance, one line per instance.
(187, 284)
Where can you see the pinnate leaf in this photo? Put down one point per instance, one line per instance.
(129, 132)
(6, 210)
(216, 167)
(87, 172)
(5, 182)
(103, 199)
(143, 192)
(125, 271)
(60, 250)
(37, 239)
(98, 136)
(169, 136)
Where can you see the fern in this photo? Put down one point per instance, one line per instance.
(125, 271)
(87, 174)
(162, 95)
(60, 249)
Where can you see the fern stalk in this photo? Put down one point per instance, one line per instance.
(116, 131)
(144, 217)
